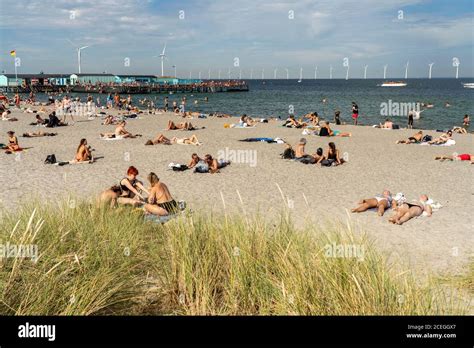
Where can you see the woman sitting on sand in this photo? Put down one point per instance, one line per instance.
(332, 156)
(83, 153)
(442, 139)
(120, 132)
(160, 201)
(12, 145)
(415, 139)
(326, 131)
(128, 191)
(319, 156)
(407, 211)
(380, 202)
(461, 157)
(180, 126)
(38, 134)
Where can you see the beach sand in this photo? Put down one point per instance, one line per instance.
(441, 243)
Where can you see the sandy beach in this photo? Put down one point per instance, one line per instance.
(443, 242)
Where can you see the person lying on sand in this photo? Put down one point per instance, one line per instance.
(180, 126)
(291, 122)
(313, 118)
(407, 211)
(110, 120)
(39, 121)
(160, 201)
(128, 191)
(214, 164)
(461, 157)
(443, 138)
(38, 134)
(459, 130)
(326, 131)
(193, 140)
(120, 132)
(246, 121)
(380, 202)
(195, 159)
(415, 139)
(159, 139)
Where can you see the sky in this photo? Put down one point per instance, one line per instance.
(126, 36)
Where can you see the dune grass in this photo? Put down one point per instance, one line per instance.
(95, 260)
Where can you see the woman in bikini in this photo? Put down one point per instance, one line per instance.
(180, 126)
(128, 191)
(380, 202)
(159, 139)
(83, 153)
(12, 145)
(415, 139)
(160, 201)
(461, 157)
(408, 211)
(193, 140)
(442, 139)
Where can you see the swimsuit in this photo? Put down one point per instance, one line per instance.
(170, 206)
(464, 157)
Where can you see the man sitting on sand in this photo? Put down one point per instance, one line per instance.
(120, 132)
(160, 201)
(407, 211)
(461, 157)
(300, 154)
(180, 126)
(379, 202)
(415, 139)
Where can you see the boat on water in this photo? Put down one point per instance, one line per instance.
(394, 84)
(468, 85)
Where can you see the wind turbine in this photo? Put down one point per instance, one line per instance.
(251, 73)
(275, 73)
(456, 64)
(365, 72)
(174, 67)
(190, 74)
(385, 71)
(199, 75)
(301, 75)
(162, 57)
(78, 49)
(316, 72)
(287, 73)
(330, 72)
(431, 67)
(406, 71)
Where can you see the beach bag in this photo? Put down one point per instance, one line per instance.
(289, 153)
(179, 167)
(50, 159)
(426, 138)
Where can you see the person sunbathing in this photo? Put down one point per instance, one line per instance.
(332, 156)
(459, 130)
(38, 134)
(193, 140)
(120, 132)
(246, 121)
(180, 126)
(313, 118)
(461, 157)
(293, 123)
(319, 156)
(408, 211)
(194, 160)
(381, 202)
(326, 131)
(415, 139)
(127, 192)
(12, 145)
(214, 164)
(39, 121)
(83, 153)
(160, 201)
(110, 120)
(387, 125)
(159, 139)
(443, 138)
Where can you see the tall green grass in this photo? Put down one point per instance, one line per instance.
(95, 260)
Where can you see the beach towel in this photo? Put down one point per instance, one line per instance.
(450, 142)
(268, 140)
(114, 138)
(237, 125)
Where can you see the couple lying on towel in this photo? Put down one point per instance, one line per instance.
(419, 138)
(208, 164)
(403, 211)
(161, 139)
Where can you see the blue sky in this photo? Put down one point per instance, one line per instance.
(261, 34)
